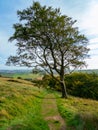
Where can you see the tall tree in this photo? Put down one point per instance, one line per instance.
(48, 39)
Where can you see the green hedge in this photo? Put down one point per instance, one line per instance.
(78, 84)
(82, 85)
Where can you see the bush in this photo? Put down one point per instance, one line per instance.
(82, 85)
(19, 77)
(51, 83)
(78, 84)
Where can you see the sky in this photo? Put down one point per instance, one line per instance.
(84, 11)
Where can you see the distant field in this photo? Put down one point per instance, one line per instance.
(89, 71)
(29, 74)
(25, 75)
(22, 75)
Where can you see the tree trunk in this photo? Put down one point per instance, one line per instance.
(62, 82)
(63, 87)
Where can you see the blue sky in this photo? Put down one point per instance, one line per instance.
(84, 11)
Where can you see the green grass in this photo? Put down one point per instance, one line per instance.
(20, 104)
(20, 108)
(26, 75)
(80, 114)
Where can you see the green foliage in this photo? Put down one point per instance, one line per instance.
(38, 71)
(82, 85)
(51, 83)
(78, 84)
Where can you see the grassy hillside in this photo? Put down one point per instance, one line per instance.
(79, 114)
(20, 104)
(20, 108)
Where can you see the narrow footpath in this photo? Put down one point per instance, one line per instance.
(51, 114)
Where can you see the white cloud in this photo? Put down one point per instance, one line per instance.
(92, 62)
(89, 20)
(6, 48)
(93, 46)
(89, 23)
(93, 40)
(94, 53)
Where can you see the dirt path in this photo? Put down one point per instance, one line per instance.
(51, 114)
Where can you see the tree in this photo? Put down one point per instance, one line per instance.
(48, 39)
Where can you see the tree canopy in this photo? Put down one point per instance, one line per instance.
(48, 39)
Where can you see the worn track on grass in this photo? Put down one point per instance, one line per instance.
(51, 114)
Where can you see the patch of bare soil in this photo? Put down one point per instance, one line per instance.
(51, 114)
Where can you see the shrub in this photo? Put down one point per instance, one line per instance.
(82, 85)
(78, 84)
(19, 77)
(51, 83)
